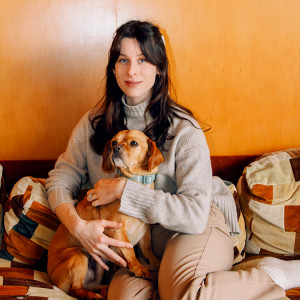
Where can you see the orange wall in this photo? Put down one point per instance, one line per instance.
(235, 63)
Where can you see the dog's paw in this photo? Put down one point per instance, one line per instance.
(85, 294)
(142, 272)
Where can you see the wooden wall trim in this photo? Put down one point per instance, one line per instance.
(227, 167)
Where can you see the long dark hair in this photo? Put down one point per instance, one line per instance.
(109, 117)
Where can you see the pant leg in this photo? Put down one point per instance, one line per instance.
(124, 286)
(198, 267)
(252, 284)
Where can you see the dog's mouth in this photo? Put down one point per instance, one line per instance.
(118, 160)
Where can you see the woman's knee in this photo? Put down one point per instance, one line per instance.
(177, 268)
(124, 286)
(189, 258)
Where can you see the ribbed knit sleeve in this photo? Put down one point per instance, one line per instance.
(70, 172)
(223, 198)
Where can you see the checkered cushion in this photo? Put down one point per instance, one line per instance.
(19, 281)
(29, 223)
(269, 192)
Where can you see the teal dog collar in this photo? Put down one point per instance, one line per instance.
(145, 179)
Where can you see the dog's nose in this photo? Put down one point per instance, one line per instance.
(117, 149)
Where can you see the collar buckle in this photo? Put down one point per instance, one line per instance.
(145, 179)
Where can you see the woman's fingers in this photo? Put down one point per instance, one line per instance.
(98, 244)
(110, 224)
(114, 257)
(106, 253)
(113, 242)
(91, 195)
(99, 260)
(106, 191)
(116, 243)
(100, 247)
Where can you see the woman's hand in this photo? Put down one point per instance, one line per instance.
(91, 235)
(106, 191)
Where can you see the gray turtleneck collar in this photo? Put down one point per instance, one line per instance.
(135, 111)
(135, 115)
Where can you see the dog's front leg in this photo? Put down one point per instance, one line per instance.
(129, 255)
(145, 246)
(134, 265)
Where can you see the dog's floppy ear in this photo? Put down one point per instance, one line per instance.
(107, 165)
(155, 156)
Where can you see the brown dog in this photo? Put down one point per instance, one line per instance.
(70, 267)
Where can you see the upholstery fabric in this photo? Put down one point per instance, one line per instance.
(20, 281)
(269, 193)
(29, 223)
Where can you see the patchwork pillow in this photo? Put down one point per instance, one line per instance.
(269, 193)
(239, 240)
(19, 281)
(29, 223)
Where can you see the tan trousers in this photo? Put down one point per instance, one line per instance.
(198, 267)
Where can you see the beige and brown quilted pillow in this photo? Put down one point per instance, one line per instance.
(29, 223)
(269, 193)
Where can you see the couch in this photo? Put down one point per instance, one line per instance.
(23, 258)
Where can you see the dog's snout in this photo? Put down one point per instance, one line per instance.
(116, 149)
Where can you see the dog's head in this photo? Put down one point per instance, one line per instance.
(133, 152)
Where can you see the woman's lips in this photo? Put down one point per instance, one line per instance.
(132, 83)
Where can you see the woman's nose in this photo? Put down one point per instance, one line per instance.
(132, 68)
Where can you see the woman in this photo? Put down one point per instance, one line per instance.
(192, 234)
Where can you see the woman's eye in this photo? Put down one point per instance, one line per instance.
(142, 60)
(134, 144)
(123, 60)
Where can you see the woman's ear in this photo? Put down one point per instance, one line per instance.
(155, 156)
(107, 165)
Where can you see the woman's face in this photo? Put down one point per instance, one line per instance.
(134, 74)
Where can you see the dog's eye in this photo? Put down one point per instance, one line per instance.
(134, 144)
(114, 143)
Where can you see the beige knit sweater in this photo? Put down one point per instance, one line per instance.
(184, 188)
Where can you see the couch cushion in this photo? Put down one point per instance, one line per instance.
(21, 281)
(29, 223)
(269, 192)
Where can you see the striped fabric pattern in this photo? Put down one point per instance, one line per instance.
(29, 223)
(269, 192)
(19, 281)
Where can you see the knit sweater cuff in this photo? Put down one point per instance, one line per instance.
(59, 196)
(230, 216)
(223, 198)
(135, 205)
